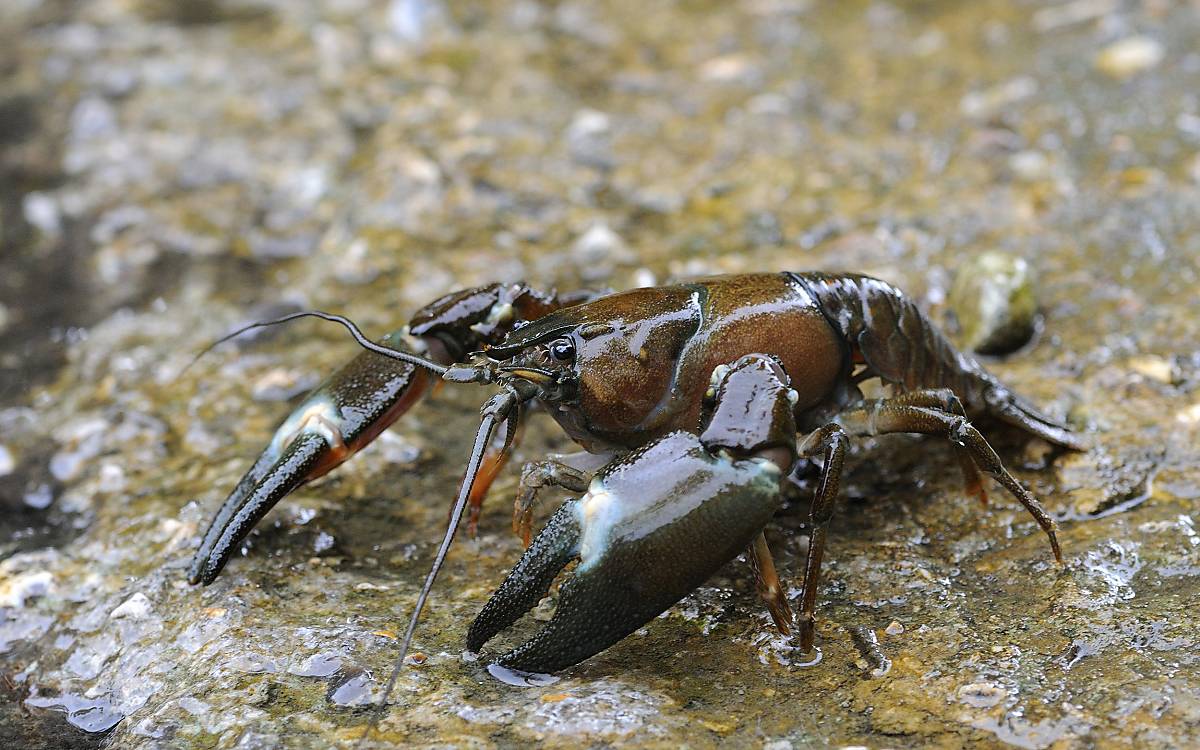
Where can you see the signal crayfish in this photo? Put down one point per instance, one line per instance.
(697, 402)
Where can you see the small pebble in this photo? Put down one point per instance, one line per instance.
(1030, 166)
(323, 543)
(598, 244)
(1130, 56)
(398, 449)
(1075, 12)
(731, 68)
(8, 464)
(135, 607)
(41, 211)
(718, 727)
(368, 586)
(1134, 179)
(981, 694)
(1154, 368)
(544, 610)
(1190, 415)
(39, 496)
(281, 385)
(259, 694)
(589, 139)
(994, 300)
(986, 103)
(644, 277)
(252, 663)
(894, 628)
(318, 665)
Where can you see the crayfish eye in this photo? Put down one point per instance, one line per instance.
(562, 350)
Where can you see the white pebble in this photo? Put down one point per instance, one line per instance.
(8, 464)
(135, 607)
(981, 694)
(1130, 56)
(1153, 368)
(600, 243)
(15, 589)
(41, 211)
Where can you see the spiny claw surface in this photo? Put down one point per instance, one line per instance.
(653, 526)
(342, 415)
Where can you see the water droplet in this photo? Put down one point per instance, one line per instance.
(90, 715)
(517, 678)
(321, 664)
(351, 686)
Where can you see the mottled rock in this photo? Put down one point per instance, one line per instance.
(994, 302)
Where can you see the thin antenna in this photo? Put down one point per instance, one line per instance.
(482, 438)
(362, 340)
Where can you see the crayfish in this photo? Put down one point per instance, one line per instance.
(695, 405)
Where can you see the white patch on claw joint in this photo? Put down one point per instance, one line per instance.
(598, 511)
(501, 312)
(770, 469)
(319, 416)
(718, 374)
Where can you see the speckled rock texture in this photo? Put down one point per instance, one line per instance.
(169, 171)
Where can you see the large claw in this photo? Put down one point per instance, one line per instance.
(339, 418)
(653, 526)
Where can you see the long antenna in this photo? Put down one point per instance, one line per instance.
(348, 324)
(482, 438)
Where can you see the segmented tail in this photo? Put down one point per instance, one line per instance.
(900, 344)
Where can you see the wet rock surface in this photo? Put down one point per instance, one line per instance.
(172, 170)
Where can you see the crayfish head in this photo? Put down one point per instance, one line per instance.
(617, 359)
(470, 319)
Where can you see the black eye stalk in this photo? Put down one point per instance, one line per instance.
(563, 350)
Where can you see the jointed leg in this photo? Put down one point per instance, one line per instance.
(831, 439)
(889, 415)
(943, 399)
(769, 588)
(494, 460)
(534, 476)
